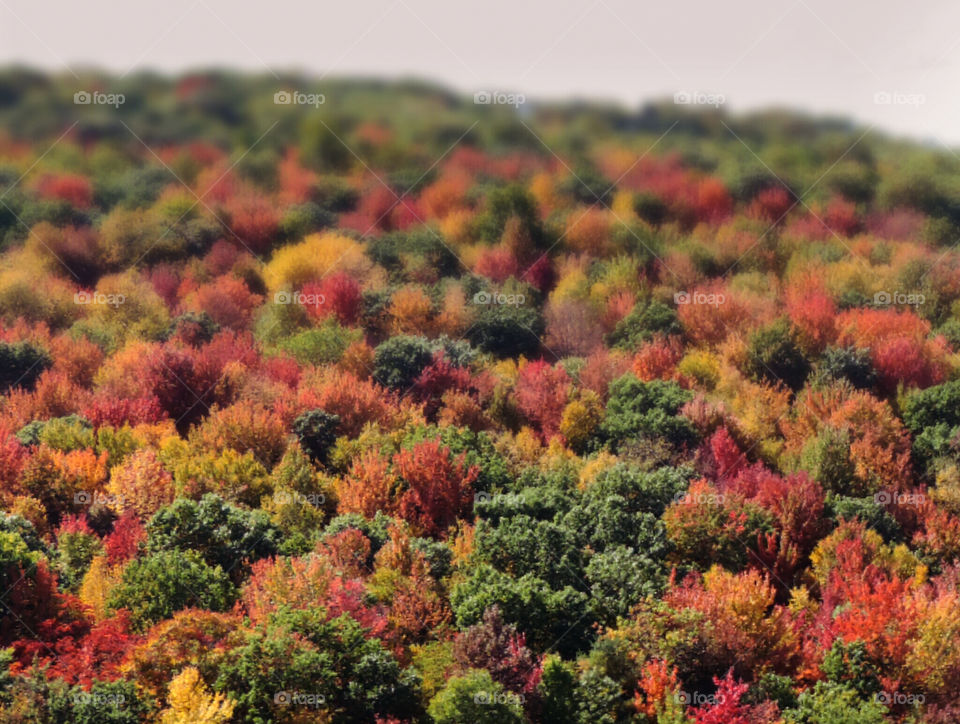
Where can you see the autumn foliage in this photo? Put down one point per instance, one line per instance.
(321, 432)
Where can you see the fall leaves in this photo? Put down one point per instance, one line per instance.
(629, 438)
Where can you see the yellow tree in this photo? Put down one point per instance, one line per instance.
(97, 585)
(190, 702)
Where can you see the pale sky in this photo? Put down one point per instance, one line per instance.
(820, 56)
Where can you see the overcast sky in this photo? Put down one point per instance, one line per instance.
(823, 56)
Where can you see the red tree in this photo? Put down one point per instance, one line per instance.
(542, 393)
(438, 486)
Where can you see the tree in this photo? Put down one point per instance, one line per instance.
(21, 364)
(192, 637)
(116, 702)
(775, 356)
(97, 585)
(76, 547)
(309, 582)
(73, 188)
(16, 562)
(580, 420)
(572, 328)
(846, 363)
(154, 587)
(399, 361)
(437, 487)
(140, 484)
(123, 542)
(746, 631)
(644, 322)
(341, 295)
(707, 527)
(226, 536)
(519, 544)
(879, 445)
(935, 405)
(829, 703)
(542, 394)
(316, 430)
(355, 401)
(646, 408)
(254, 220)
(305, 662)
(506, 204)
(557, 690)
(547, 617)
(712, 323)
(507, 330)
(191, 703)
(226, 302)
(497, 263)
(319, 254)
(97, 655)
(850, 665)
(812, 312)
(438, 378)
(727, 708)
(657, 359)
(827, 458)
(245, 426)
(499, 649)
(368, 487)
(476, 697)
(902, 361)
(411, 311)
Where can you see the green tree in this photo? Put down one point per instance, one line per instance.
(846, 363)
(223, 534)
(154, 587)
(75, 550)
(643, 322)
(547, 617)
(637, 408)
(507, 330)
(827, 458)
(316, 430)
(399, 361)
(829, 703)
(558, 690)
(775, 356)
(850, 665)
(475, 697)
(21, 363)
(302, 660)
